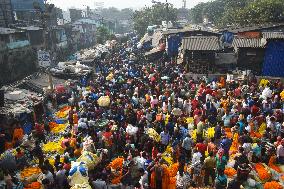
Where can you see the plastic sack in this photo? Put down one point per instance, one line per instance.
(90, 159)
(266, 93)
(81, 186)
(78, 173)
(104, 101)
(131, 130)
(154, 135)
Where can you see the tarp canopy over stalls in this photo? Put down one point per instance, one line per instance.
(274, 59)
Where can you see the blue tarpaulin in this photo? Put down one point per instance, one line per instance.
(227, 37)
(274, 59)
(27, 127)
(174, 43)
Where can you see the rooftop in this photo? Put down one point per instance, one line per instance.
(86, 21)
(242, 42)
(201, 43)
(31, 28)
(185, 30)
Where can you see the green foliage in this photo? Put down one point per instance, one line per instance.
(117, 16)
(103, 34)
(153, 15)
(240, 12)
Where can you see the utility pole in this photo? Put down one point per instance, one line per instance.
(167, 14)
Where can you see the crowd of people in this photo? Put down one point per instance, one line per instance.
(170, 130)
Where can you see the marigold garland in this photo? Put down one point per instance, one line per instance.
(263, 174)
(272, 164)
(272, 185)
(30, 171)
(230, 172)
(116, 164)
(34, 185)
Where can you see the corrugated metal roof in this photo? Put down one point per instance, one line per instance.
(273, 35)
(205, 43)
(185, 30)
(241, 42)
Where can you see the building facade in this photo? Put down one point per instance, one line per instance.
(6, 14)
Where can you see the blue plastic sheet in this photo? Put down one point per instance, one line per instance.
(60, 121)
(27, 127)
(274, 59)
(174, 43)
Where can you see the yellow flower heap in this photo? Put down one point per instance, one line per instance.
(52, 147)
(167, 155)
(154, 135)
(63, 112)
(211, 132)
(194, 135)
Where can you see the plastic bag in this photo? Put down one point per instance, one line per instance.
(104, 101)
(266, 93)
(131, 130)
(78, 173)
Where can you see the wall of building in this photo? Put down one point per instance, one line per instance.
(251, 59)
(200, 62)
(6, 15)
(17, 64)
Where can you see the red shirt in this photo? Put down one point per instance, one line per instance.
(194, 104)
(201, 147)
(254, 109)
(208, 91)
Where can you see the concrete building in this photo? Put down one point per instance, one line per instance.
(75, 14)
(17, 57)
(6, 14)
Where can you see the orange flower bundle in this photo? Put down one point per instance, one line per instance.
(230, 172)
(263, 174)
(28, 172)
(65, 108)
(173, 170)
(255, 134)
(116, 163)
(116, 180)
(229, 134)
(33, 185)
(227, 129)
(272, 165)
(272, 185)
(52, 125)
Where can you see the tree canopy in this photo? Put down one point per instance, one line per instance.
(238, 12)
(153, 15)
